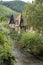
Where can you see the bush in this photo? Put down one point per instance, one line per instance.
(14, 35)
(33, 42)
(3, 18)
(6, 56)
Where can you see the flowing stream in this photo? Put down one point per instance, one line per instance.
(25, 59)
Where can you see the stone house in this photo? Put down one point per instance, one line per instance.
(16, 22)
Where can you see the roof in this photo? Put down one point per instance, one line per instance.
(14, 18)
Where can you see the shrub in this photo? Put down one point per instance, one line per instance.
(3, 18)
(14, 35)
(6, 56)
(33, 42)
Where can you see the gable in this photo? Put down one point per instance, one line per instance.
(17, 18)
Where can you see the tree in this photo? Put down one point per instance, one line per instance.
(33, 15)
(38, 1)
(27, 14)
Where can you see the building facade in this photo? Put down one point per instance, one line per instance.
(16, 22)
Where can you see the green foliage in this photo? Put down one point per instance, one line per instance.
(13, 35)
(15, 5)
(33, 16)
(3, 18)
(39, 1)
(33, 42)
(6, 56)
(5, 12)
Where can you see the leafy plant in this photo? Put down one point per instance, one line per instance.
(33, 42)
(6, 55)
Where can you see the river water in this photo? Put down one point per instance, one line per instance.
(24, 59)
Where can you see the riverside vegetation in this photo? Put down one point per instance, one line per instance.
(31, 42)
(6, 55)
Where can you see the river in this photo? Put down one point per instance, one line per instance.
(25, 59)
